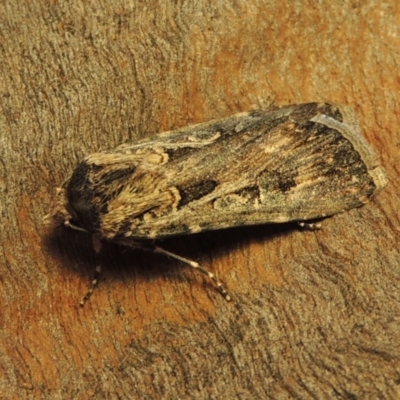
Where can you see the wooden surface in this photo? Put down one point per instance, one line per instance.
(315, 314)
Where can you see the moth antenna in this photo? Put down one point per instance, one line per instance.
(197, 266)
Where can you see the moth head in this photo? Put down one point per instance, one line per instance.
(61, 212)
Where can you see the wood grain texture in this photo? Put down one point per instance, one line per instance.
(315, 314)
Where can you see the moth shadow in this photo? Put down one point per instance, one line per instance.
(75, 253)
(73, 249)
(123, 262)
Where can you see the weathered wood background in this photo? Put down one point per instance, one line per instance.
(315, 314)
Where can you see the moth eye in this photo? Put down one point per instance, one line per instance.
(71, 212)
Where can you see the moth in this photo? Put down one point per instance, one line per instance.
(298, 162)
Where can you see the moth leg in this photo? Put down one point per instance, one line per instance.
(156, 249)
(312, 225)
(197, 266)
(97, 248)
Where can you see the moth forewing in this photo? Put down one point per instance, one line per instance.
(291, 163)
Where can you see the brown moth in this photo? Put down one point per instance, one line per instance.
(292, 163)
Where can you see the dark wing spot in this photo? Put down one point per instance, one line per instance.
(180, 153)
(195, 191)
(285, 183)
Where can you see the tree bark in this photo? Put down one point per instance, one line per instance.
(314, 314)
